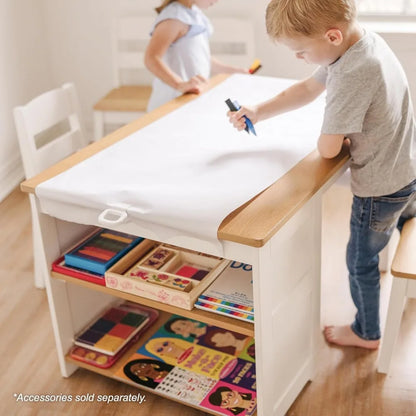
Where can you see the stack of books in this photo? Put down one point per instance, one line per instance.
(231, 294)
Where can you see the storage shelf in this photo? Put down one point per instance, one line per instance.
(210, 318)
(111, 372)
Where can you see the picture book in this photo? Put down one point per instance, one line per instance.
(206, 366)
(248, 317)
(101, 250)
(113, 329)
(101, 360)
(60, 266)
(233, 289)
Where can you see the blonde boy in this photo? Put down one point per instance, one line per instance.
(367, 101)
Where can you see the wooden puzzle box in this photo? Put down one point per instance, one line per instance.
(164, 273)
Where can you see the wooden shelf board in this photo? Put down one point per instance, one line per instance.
(210, 318)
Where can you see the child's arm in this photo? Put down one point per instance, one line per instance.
(164, 34)
(218, 67)
(297, 95)
(329, 145)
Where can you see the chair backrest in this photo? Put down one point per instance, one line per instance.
(131, 35)
(49, 129)
(233, 41)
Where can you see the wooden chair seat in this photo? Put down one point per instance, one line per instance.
(125, 98)
(404, 286)
(404, 262)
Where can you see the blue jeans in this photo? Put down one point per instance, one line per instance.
(373, 220)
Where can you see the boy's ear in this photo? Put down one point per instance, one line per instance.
(334, 36)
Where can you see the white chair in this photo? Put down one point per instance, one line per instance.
(48, 130)
(233, 41)
(132, 82)
(404, 286)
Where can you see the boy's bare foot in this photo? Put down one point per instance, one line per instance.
(345, 336)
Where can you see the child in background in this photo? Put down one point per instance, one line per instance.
(178, 53)
(368, 105)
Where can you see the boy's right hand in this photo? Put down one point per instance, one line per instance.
(195, 85)
(237, 117)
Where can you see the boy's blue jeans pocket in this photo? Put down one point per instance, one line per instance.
(373, 220)
(387, 210)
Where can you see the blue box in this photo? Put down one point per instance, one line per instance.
(101, 250)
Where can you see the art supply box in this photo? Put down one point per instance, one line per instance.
(101, 250)
(91, 356)
(165, 274)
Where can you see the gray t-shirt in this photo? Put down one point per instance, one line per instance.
(368, 100)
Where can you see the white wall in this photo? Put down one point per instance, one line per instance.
(24, 73)
(79, 36)
(48, 42)
(80, 44)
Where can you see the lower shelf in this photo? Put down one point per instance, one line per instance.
(189, 378)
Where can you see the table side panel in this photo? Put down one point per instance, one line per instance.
(286, 295)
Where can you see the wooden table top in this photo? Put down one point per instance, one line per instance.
(255, 222)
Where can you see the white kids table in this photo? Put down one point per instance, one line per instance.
(278, 232)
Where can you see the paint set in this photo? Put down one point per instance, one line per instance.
(164, 273)
(106, 338)
(112, 330)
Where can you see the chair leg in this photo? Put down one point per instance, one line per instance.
(39, 278)
(38, 272)
(394, 317)
(37, 245)
(384, 260)
(98, 125)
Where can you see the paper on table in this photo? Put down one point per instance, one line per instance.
(190, 169)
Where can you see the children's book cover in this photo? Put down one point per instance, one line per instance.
(232, 289)
(206, 366)
(101, 250)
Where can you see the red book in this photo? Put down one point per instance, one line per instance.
(60, 267)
